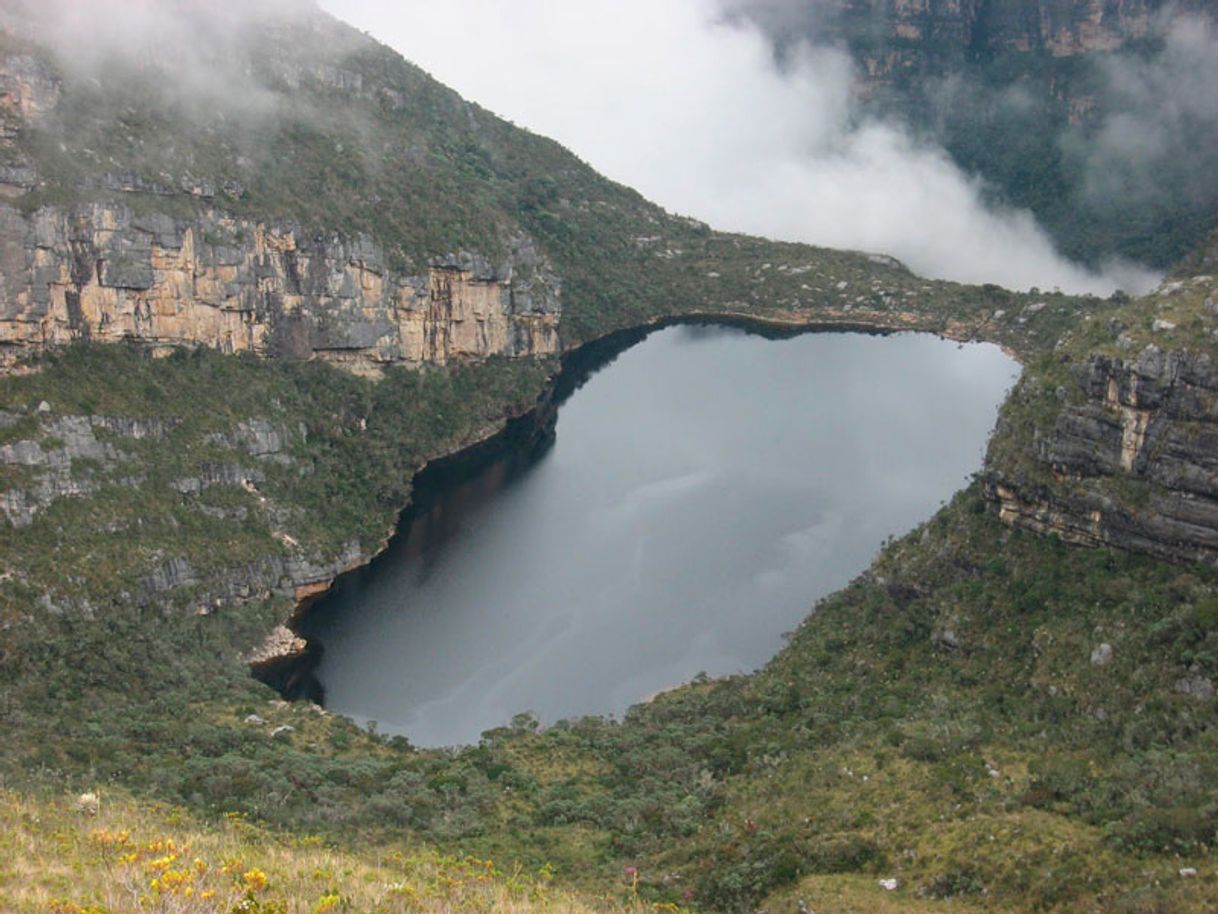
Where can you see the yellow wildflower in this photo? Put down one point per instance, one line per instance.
(254, 880)
(161, 863)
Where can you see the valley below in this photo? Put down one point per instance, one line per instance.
(802, 624)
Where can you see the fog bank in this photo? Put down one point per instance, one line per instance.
(692, 108)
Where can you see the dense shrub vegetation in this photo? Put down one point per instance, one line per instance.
(998, 763)
(940, 722)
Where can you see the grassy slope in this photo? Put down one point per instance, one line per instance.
(95, 635)
(998, 765)
(725, 793)
(112, 853)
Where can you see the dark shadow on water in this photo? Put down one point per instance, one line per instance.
(444, 494)
(451, 492)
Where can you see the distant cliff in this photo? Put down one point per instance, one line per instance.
(102, 273)
(898, 38)
(1093, 114)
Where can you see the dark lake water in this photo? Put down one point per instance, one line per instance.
(703, 491)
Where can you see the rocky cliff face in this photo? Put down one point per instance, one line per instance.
(935, 36)
(122, 268)
(28, 89)
(895, 39)
(1130, 456)
(103, 273)
(1039, 98)
(1062, 27)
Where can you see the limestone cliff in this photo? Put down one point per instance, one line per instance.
(1126, 452)
(127, 247)
(28, 89)
(103, 273)
(894, 39)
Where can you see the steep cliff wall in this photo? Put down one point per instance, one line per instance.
(1124, 451)
(934, 37)
(1062, 27)
(103, 273)
(116, 232)
(1049, 102)
(899, 38)
(28, 89)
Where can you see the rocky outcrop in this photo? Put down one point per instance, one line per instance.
(29, 89)
(893, 40)
(1132, 464)
(281, 644)
(259, 438)
(294, 576)
(46, 462)
(103, 273)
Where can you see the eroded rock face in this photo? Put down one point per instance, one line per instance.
(1065, 27)
(1134, 465)
(29, 88)
(47, 463)
(1059, 27)
(895, 39)
(101, 272)
(281, 643)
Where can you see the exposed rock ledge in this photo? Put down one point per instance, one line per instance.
(284, 659)
(101, 272)
(281, 644)
(1132, 464)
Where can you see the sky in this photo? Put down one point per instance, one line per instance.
(693, 111)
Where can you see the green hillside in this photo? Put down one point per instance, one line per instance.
(997, 720)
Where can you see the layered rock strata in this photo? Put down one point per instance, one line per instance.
(1133, 465)
(893, 41)
(932, 37)
(102, 272)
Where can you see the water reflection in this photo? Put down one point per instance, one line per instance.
(702, 492)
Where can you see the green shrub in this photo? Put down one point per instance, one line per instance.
(1175, 829)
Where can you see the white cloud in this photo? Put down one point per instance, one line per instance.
(694, 112)
(198, 50)
(1161, 134)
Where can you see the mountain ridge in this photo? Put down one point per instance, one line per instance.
(987, 715)
(422, 202)
(1044, 101)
